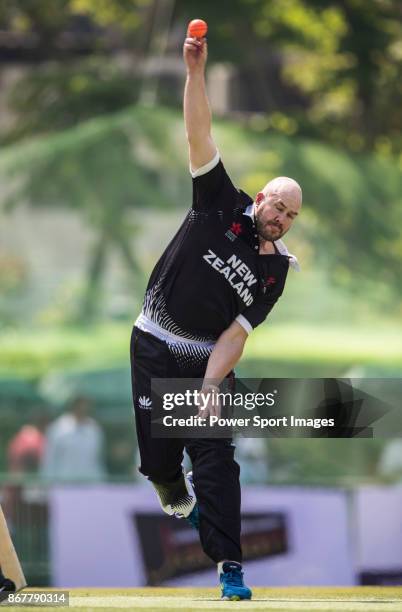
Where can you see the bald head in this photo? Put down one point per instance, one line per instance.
(276, 207)
(286, 188)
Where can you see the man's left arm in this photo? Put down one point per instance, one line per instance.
(226, 353)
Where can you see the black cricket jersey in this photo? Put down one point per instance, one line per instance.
(211, 272)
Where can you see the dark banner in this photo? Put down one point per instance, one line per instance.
(381, 578)
(267, 407)
(171, 548)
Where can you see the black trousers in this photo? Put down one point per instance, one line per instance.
(215, 472)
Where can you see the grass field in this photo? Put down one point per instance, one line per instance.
(36, 352)
(352, 599)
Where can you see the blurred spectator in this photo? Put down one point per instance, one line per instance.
(25, 450)
(74, 445)
(390, 464)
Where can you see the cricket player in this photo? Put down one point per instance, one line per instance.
(218, 279)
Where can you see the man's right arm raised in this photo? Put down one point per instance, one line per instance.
(197, 113)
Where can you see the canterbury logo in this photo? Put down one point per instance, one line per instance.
(236, 228)
(145, 403)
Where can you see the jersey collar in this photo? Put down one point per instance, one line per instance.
(280, 245)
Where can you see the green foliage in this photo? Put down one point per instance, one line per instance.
(324, 462)
(339, 347)
(60, 349)
(342, 59)
(49, 98)
(72, 81)
(106, 168)
(125, 14)
(49, 19)
(299, 350)
(102, 167)
(41, 16)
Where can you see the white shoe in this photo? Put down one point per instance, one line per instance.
(177, 498)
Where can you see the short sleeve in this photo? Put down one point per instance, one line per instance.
(272, 290)
(213, 190)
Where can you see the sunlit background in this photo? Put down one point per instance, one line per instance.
(93, 183)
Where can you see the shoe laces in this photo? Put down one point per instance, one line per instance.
(234, 576)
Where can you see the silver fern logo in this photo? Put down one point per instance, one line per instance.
(145, 402)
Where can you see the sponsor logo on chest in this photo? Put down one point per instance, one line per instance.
(234, 231)
(236, 272)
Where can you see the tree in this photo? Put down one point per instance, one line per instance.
(345, 57)
(107, 168)
(104, 169)
(341, 60)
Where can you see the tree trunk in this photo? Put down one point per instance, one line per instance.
(90, 302)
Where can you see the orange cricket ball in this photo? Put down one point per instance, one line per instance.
(197, 28)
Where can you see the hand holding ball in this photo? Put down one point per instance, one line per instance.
(197, 28)
(195, 46)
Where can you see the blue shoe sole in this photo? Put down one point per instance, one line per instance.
(194, 518)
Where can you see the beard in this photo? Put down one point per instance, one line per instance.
(268, 231)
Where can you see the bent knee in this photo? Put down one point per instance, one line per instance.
(160, 473)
